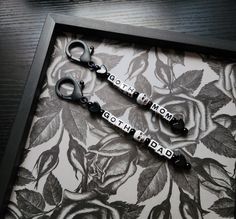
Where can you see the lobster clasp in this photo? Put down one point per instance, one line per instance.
(85, 58)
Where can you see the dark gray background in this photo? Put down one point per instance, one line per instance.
(21, 22)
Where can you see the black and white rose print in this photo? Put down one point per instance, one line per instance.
(77, 166)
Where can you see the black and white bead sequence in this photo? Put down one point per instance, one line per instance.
(177, 125)
(141, 98)
(116, 122)
(123, 87)
(138, 135)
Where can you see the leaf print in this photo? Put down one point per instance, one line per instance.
(163, 72)
(52, 190)
(186, 180)
(213, 97)
(47, 161)
(191, 148)
(115, 102)
(30, 202)
(189, 80)
(211, 174)
(137, 119)
(224, 207)
(228, 122)
(151, 181)
(220, 141)
(189, 208)
(176, 56)
(142, 85)
(76, 156)
(43, 217)
(138, 65)
(111, 162)
(215, 64)
(126, 210)
(13, 211)
(44, 129)
(161, 211)
(109, 60)
(74, 121)
(47, 107)
(24, 177)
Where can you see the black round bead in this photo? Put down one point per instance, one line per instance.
(106, 75)
(131, 132)
(149, 104)
(147, 141)
(101, 111)
(135, 94)
(188, 166)
(89, 104)
(94, 107)
(185, 131)
(177, 126)
(179, 161)
(173, 120)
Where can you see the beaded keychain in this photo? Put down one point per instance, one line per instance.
(176, 125)
(95, 109)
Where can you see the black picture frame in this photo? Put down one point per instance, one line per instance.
(55, 24)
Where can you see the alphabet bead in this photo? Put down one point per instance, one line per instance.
(111, 78)
(162, 111)
(153, 144)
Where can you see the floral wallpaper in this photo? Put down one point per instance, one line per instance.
(78, 166)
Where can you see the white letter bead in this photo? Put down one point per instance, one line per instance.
(168, 153)
(160, 150)
(106, 115)
(117, 83)
(126, 127)
(119, 123)
(162, 111)
(168, 116)
(125, 88)
(142, 99)
(139, 136)
(112, 120)
(131, 91)
(155, 107)
(111, 78)
(153, 144)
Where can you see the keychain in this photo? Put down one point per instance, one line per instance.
(176, 125)
(95, 109)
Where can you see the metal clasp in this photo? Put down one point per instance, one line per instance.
(85, 58)
(77, 93)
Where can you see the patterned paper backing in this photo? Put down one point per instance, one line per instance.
(77, 166)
